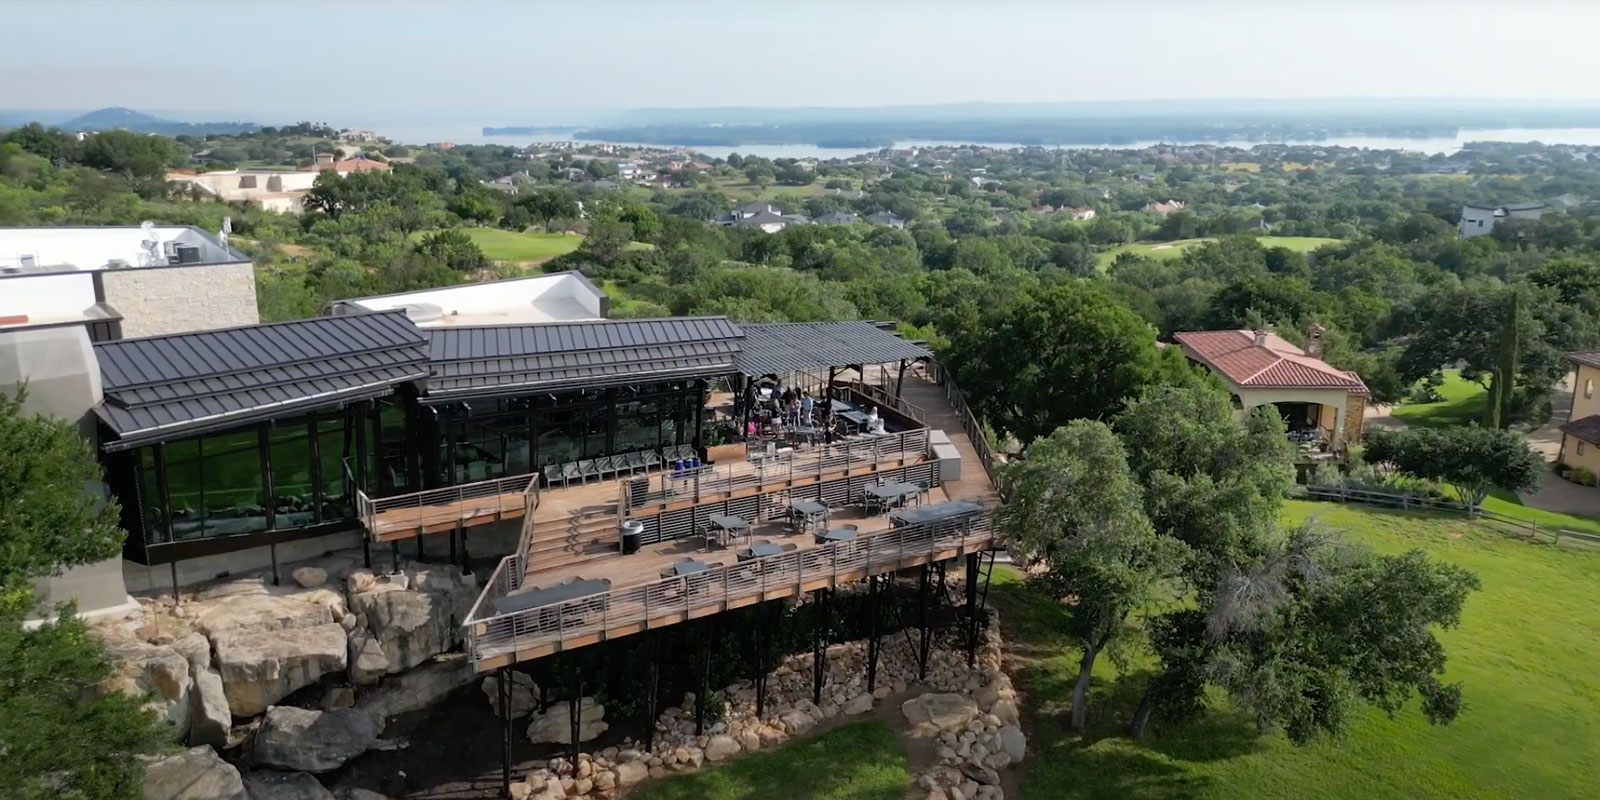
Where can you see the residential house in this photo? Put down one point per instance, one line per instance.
(837, 218)
(358, 135)
(1477, 220)
(1259, 225)
(1322, 405)
(1164, 208)
(1580, 436)
(982, 181)
(1081, 212)
(272, 190)
(771, 222)
(747, 211)
(327, 161)
(886, 218)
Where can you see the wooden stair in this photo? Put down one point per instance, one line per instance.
(584, 534)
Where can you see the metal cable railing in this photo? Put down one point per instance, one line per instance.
(669, 600)
(417, 510)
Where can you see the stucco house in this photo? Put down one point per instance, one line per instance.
(1323, 406)
(1580, 436)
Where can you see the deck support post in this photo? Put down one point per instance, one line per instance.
(702, 666)
(819, 646)
(273, 550)
(466, 558)
(453, 534)
(394, 556)
(419, 544)
(574, 707)
(366, 550)
(972, 607)
(173, 567)
(503, 683)
(652, 698)
(900, 383)
(874, 595)
(763, 619)
(924, 630)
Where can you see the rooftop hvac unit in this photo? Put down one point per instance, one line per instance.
(27, 261)
(422, 312)
(117, 263)
(187, 254)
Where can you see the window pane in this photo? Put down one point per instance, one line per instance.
(638, 425)
(155, 528)
(391, 450)
(336, 440)
(560, 437)
(186, 483)
(232, 497)
(294, 500)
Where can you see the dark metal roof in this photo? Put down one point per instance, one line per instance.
(162, 387)
(783, 347)
(1589, 357)
(1587, 429)
(518, 359)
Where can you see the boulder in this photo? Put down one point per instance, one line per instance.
(159, 671)
(261, 668)
(796, 722)
(210, 718)
(338, 697)
(194, 774)
(721, 748)
(524, 694)
(750, 740)
(942, 711)
(368, 662)
(981, 774)
(270, 784)
(1013, 743)
(1006, 712)
(632, 772)
(259, 612)
(311, 741)
(361, 580)
(860, 704)
(554, 725)
(416, 623)
(309, 577)
(418, 688)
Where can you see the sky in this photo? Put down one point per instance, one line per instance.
(554, 61)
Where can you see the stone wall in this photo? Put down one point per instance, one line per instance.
(158, 300)
(1355, 418)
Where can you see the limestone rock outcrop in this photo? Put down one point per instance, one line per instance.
(311, 741)
(194, 774)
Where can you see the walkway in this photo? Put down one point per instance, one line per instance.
(974, 483)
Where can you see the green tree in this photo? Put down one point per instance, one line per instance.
(453, 248)
(1497, 405)
(61, 735)
(1475, 460)
(1074, 515)
(606, 240)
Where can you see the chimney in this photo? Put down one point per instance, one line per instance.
(1314, 340)
(1261, 338)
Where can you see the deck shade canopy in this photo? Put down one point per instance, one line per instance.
(509, 360)
(163, 387)
(785, 347)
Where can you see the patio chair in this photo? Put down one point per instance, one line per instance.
(552, 474)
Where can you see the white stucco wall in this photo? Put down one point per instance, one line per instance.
(1329, 398)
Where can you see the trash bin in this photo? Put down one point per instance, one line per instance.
(632, 532)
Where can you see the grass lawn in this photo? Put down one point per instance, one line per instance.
(1525, 653)
(1462, 403)
(1173, 249)
(504, 245)
(743, 191)
(856, 762)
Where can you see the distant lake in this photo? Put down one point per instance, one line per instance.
(1429, 145)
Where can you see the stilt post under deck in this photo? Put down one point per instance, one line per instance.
(702, 665)
(655, 692)
(394, 556)
(366, 550)
(924, 630)
(819, 653)
(900, 383)
(503, 683)
(466, 558)
(574, 707)
(972, 608)
(763, 619)
(419, 544)
(273, 550)
(453, 534)
(873, 597)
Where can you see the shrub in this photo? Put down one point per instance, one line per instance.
(1583, 476)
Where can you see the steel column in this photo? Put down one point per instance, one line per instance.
(763, 615)
(272, 549)
(924, 630)
(394, 556)
(873, 595)
(702, 664)
(655, 691)
(466, 557)
(504, 685)
(573, 707)
(819, 655)
(972, 608)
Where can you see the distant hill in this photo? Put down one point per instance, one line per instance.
(127, 119)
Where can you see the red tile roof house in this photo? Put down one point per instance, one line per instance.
(1323, 406)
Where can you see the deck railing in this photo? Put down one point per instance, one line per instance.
(669, 600)
(882, 396)
(969, 421)
(427, 507)
(781, 468)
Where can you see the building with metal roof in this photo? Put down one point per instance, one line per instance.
(783, 347)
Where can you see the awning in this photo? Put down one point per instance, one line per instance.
(784, 347)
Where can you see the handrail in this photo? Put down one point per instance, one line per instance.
(671, 486)
(883, 397)
(427, 504)
(969, 421)
(640, 604)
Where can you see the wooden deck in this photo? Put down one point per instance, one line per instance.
(574, 536)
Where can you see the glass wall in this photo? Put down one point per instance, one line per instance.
(482, 439)
(215, 485)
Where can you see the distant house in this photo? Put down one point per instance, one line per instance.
(326, 161)
(1478, 220)
(981, 181)
(1164, 208)
(358, 135)
(1081, 212)
(837, 218)
(1042, 208)
(747, 211)
(1323, 406)
(886, 218)
(1259, 225)
(761, 214)
(605, 184)
(1580, 436)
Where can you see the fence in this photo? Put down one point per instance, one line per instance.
(414, 512)
(882, 396)
(969, 421)
(1408, 501)
(667, 601)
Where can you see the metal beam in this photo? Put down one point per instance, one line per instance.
(972, 608)
(819, 654)
(924, 629)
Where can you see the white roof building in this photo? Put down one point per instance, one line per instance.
(557, 297)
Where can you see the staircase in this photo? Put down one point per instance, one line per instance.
(582, 534)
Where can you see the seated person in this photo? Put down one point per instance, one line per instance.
(874, 422)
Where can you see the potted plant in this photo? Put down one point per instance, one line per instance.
(722, 444)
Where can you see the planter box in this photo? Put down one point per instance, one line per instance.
(725, 452)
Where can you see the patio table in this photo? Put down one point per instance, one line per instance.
(560, 593)
(688, 567)
(934, 513)
(890, 494)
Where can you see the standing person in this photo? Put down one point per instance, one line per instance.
(806, 407)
